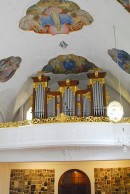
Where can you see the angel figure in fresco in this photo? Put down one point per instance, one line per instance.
(122, 58)
(56, 20)
(55, 17)
(68, 64)
(8, 67)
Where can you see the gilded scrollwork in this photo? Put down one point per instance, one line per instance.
(44, 84)
(100, 80)
(67, 82)
(87, 95)
(40, 75)
(72, 88)
(58, 106)
(63, 89)
(49, 98)
(14, 124)
(60, 119)
(78, 104)
(36, 84)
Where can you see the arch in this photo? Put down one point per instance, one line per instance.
(74, 181)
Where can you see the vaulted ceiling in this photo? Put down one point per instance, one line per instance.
(108, 27)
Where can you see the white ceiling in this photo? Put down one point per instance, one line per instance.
(91, 42)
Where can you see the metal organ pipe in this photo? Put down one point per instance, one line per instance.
(101, 105)
(98, 97)
(67, 93)
(68, 102)
(39, 102)
(53, 107)
(98, 105)
(39, 105)
(72, 103)
(65, 102)
(36, 104)
(102, 101)
(84, 105)
(94, 100)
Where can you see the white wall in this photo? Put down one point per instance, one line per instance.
(64, 142)
(60, 168)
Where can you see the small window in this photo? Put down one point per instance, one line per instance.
(29, 114)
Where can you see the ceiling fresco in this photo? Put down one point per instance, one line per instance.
(8, 67)
(68, 64)
(125, 3)
(55, 17)
(122, 58)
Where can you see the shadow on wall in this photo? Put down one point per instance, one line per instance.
(2, 117)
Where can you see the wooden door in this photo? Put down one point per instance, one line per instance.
(74, 182)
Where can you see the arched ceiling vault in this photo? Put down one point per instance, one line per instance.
(34, 50)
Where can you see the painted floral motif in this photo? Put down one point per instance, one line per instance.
(68, 64)
(55, 17)
(8, 67)
(121, 57)
(126, 4)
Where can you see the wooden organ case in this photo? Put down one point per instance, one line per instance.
(69, 98)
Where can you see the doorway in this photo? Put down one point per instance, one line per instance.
(74, 181)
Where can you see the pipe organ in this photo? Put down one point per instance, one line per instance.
(39, 102)
(98, 93)
(69, 98)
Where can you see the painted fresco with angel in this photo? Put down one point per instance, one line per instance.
(55, 17)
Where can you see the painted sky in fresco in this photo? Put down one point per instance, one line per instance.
(55, 17)
(68, 64)
(125, 3)
(8, 67)
(122, 58)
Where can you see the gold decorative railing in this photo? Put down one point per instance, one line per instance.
(62, 118)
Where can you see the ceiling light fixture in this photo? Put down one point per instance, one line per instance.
(115, 109)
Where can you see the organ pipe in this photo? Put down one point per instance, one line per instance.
(98, 93)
